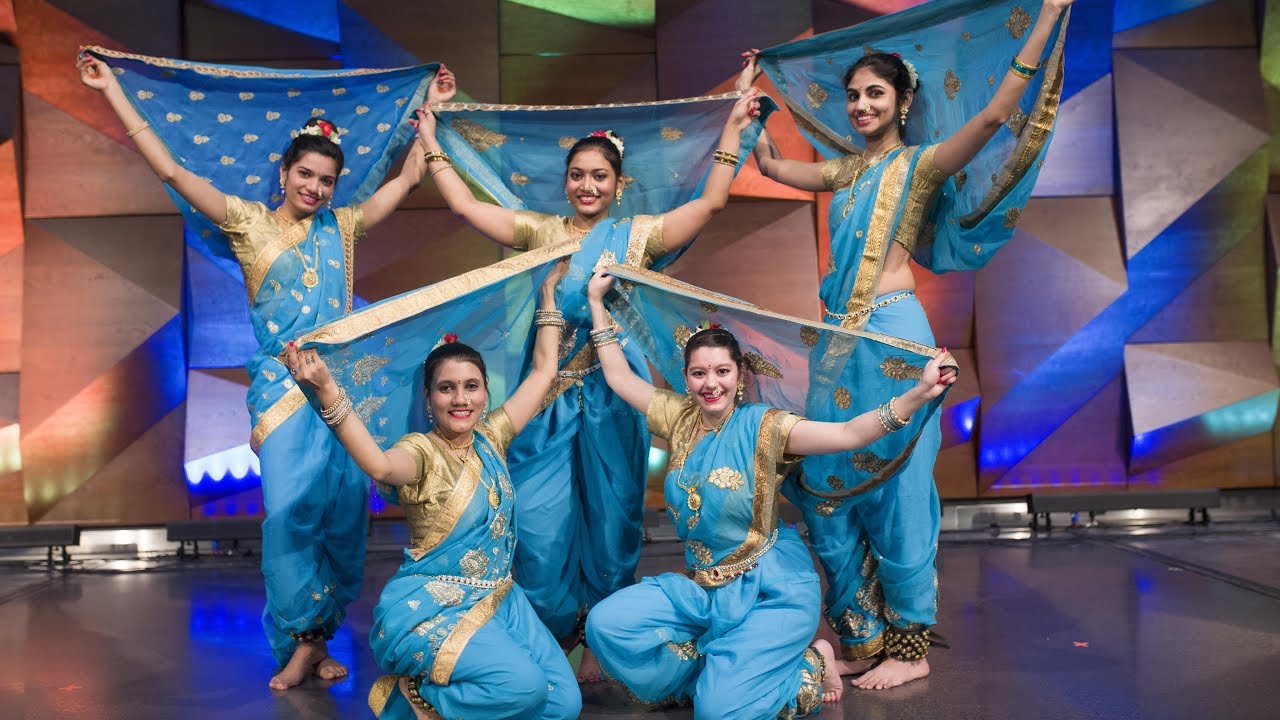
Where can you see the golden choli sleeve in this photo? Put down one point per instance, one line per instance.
(534, 230)
(249, 226)
(665, 410)
(434, 477)
(838, 172)
(922, 192)
(645, 242)
(498, 430)
(350, 222)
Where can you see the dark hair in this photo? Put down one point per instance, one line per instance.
(317, 144)
(452, 351)
(596, 142)
(887, 67)
(714, 338)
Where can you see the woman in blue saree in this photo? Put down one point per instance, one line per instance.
(732, 633)
(875, 527)
(297, 265)
(580, 465)
(453, 631)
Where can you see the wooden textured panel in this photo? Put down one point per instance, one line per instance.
(758, 251)
(413, 248)
(560, 80)
(1247, 463)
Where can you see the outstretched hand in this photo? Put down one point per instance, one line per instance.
(307, 368)
(599, 286)
(443, 88)
(750, 71)
(95, 73)
(935, 378)
(747, 108)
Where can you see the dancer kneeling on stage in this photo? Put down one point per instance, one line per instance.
(454, 631)
(732, 633)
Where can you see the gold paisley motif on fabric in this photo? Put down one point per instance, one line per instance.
(708, 308)
(478, 136)
(701, 553)
(951, 84)
(445, 594)
(897, 368)
(759, 366)
(368, 406)
(498, 526)
(1011, 217)
(1018, 22)
(519, 178)
(362, 372)
(816, 95)
(841, 397)
(671, 134)
(868, 462)
(726, 478)
(281, 410)
(474, 563)
(468, 625)
(808, 336)
(827, 508)
(687, 650)
(681, 335)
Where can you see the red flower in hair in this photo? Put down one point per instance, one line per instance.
(451, 338)
(715, 326)
(598, 133)
(897, 55)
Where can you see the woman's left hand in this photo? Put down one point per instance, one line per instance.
(443, 88)
(307, 368)
(553, 279)
(746, 109)
(935, 378)
(599, 286)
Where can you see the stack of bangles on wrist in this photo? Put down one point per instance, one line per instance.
(548, 317)
(724, 157)
(338, 411)
(1023, 71)
(433, 155)
(604, 336)
(889, 418)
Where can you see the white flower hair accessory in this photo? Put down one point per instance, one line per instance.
(324, 129)
(912, 76)
(611, 137)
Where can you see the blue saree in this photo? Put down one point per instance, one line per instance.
(878, 547)
(580, 464)
(732, 632)
(230, 125)
(452, 620)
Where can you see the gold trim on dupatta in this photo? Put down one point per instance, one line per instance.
(238, 72)
(281, 410)
(468, 625)
(289, 237)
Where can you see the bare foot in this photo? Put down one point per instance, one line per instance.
(892, 673)
(589, 670)
(832, 688)
(417, 711)
(299, 666)
(330, 669)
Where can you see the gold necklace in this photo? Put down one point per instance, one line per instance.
(494, 497)
(575, 233)
(310, 276)
(720, 425)
(865, 164)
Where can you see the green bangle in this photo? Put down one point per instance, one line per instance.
(1021, 70)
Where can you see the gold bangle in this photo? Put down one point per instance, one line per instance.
(138, 129)
(726, 158)
(1022, 70)
(433, 155)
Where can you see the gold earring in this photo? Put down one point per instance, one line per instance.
(902, 116)
(617, 194)
(282, 184)
(741, 388)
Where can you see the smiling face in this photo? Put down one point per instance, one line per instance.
(590, 183)
(457, 396)
(309, 183)
(871, 103)
(712, 378)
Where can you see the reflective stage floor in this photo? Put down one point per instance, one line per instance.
(1084, 624)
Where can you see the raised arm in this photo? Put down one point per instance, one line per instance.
(394, 466)
(205, 198)
(527, 398)
(682, 224)
(388, 197)
(956, 151)
(798, 174)
(494, 222)
(632, 388)
(819, 438)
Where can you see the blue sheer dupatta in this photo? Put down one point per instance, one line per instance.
(961, 50)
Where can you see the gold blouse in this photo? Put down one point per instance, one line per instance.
(926, 181)
(534, 230)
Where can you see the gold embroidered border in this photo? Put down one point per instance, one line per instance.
(239, 71)
(380, 693)
(286, 406)
(644, 244)
(468, 625)
(1034, 136)
(349, 237)
(926, 183)
(493, 107)
(863, 650)
(290, 237)
(585, 358)
(876, 246)
(361, 323)
(771, 439)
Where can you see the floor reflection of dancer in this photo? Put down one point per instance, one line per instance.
(580, 466)
(295, 261)
(886, 540)
(456, 634)
(733, 631)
